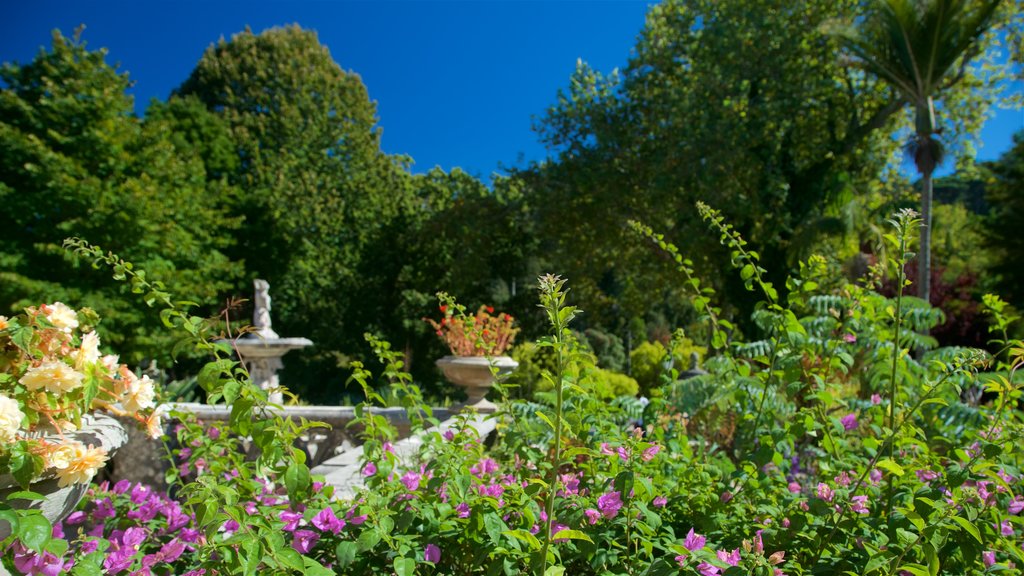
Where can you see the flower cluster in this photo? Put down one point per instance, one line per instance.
(482, 334)
(52, 374)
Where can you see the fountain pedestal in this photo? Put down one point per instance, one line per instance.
(261, 350)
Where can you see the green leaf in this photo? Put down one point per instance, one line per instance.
(314, 568)
(526, 537)
(404, 566)
(346, 552)
(545, 418)
(35, 531)
(890, 466)
(367, 540)
(969, 527)
(571, 535)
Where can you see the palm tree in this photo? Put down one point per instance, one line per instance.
(915, 46)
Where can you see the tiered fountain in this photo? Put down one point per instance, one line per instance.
(261, 349)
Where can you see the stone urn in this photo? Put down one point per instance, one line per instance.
(97, 430)
(475, 375)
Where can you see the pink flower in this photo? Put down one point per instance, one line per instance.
(659, 501)
(843, 479)
(1016, 505)
(825, 492)
(859, 504)
(370, 469)
(1005, 528)
(290, 519)
(876, 399)
(849, 422)
(327, 521)
(707, 569)
(926, 476)
(606, 450)
(849, 338)
(623, 453)
(785, 522)
(681, 560)
(694, 541)
(484, 467)
(592, 516)
(875, 475)
(650, 453)
(304, 540)
(463, 510)
(730, 558)
(758, 543)
(449, 434)
(411, 480)
(989, 558)
(794, 487)
(609, 504)
(431, 553)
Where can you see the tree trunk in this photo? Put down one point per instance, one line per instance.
(924, 259)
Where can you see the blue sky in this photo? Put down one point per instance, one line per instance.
(457, 84)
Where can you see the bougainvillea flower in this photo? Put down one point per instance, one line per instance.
(327, 521)
(290, 519)
(411, 480)
(707, 569)
(650, 453)
(1016, 505)
(825, 492)
(849, 422)
(859, 504)
(694, 541)
(370, 469)
(659, 501)
(592, 516)
(989, 558)
(609, 504)
(463, 510)
(432, 553)
(304, 540)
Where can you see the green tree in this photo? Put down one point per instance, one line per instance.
(316, 191)
(75, 161)
(1004, 224)
(922, 48)
(740, 104)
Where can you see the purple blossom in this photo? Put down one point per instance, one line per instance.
(707, 569)
(609, 504)
(484, 467)
(825, 492)
(758, 543)
(449, 434)
(1016, 505)
(650, 453)
(592, 516)
(411, 480)
(849, 422)
(694, 541)
(849, 338)
(231, 526)
(133, 537)
(556, 528)
(925, 475)
(463, 510)
(431, 553)
(327, 521)
(1005, 528)
(117, 561)
(730, 558)
(859, 504)
(681, 560)
(843, 479)
(989, 558)
(623, 452)
(290, 519)
(140, 493)
(659, 501)
(304, 540)
(370, 469)
(794, 487)
(875, 475)
(876, 399)
(75, 518)
(121, 486)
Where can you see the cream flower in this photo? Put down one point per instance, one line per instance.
(3, 322)
(60, 456)
(54, 377)
(88, 353)
(82, 466)
(136, 393)
(61, 316)
(155, 423)
(10, 419)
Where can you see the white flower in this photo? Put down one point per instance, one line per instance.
(88, 353)
(10, 419)
(55, 377)
(155, 422)
(61, 316)
(136, 393)
(110, 362)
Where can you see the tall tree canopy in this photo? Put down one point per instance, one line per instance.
(1006, 197)
(75, 161)
(741, 104)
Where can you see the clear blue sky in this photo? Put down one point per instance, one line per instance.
(456, 83)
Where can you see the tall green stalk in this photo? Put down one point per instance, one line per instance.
(552, 299)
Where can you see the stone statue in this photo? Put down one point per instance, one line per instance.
(261, 310)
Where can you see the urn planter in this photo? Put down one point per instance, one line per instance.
(97, 430)
(475, 375)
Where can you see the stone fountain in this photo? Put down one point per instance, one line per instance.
(261, 349)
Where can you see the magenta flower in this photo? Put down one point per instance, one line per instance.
(794, 487)
(411, 480)
(876, 399)
(707, 569)
(650, 453)
(290, 519)
(1016, 505)
(304, 540)
(606, 450)
(849, 422)
(592, 516)
(681, 560)
(758, 543)
(370, 469)
(825, 492)
(1005, 528)
(327, 521)
(926, 476)
(875, 475)
(694, 541)
(659, 501)
(730, 558)
(556, 528)
(623, 452)
(859, 504)
(849, 338)
(431, 553)
(484, 467)
(989, 558)
(609, 504)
